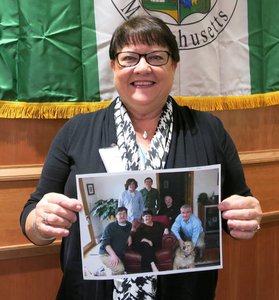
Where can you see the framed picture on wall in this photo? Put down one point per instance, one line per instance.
(90, 189)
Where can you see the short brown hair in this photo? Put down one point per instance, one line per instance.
(121, 208)
(147, 30)
(147, 212)
(148, 178)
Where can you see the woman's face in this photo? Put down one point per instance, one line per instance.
(147, 219)
(143, 87)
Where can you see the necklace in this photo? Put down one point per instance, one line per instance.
(144, 135)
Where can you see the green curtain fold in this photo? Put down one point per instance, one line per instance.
(48, 51)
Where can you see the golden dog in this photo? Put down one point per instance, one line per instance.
(184, 257)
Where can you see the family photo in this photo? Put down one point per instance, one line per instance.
(153, 222)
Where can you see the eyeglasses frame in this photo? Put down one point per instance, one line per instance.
(143, 55)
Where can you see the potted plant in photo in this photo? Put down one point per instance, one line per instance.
(203, 198)
(105, 209)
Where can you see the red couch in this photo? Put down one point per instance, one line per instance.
(164, 256)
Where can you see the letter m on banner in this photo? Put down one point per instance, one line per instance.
(130, 9)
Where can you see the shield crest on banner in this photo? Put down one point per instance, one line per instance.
(177, 9)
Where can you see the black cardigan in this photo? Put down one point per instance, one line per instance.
(199, 139)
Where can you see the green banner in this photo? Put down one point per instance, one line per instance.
(48, 51)
(264, 45)
(54, 60)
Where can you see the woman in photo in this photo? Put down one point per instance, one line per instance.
(148, 239)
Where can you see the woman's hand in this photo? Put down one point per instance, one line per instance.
(147, 241)
(166, 231)
(244, 215)
(52, 217)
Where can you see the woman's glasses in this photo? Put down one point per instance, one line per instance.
(154, 58)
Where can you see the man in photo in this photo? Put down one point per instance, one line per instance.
(188, 227)
(115, 238)
(169, 209)
(150, 195)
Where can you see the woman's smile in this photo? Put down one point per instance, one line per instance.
(143, 83)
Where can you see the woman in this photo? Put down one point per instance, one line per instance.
(152, 132)
(148, 239)
(132, 200)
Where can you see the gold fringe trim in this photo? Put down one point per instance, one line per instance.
(48, 110)
(59, 110)
(229, 102)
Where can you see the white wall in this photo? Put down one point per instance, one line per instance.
(107, 187)
(205, 181)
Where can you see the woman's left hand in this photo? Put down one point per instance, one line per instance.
(147, 241)
(166, 231)
(244, 215)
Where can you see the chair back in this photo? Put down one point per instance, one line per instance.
(162, 219)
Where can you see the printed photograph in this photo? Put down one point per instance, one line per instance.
(150, 222)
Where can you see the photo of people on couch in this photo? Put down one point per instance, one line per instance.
(153, 222)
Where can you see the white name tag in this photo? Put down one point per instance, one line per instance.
(112, 159)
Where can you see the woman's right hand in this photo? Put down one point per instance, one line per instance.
(53, 216)
(147, 241)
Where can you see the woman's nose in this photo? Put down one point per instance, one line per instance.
(142, 65)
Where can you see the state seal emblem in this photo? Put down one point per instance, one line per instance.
(177, 9)
(195, 23)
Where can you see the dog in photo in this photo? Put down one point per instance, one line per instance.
(185, 256)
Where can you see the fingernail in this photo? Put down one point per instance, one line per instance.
(224, 215)
(221, 206)
(231, 224)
